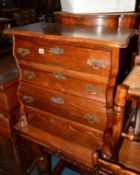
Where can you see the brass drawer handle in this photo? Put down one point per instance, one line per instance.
(91, 118)
(28, 99)
(23, 51)
(1, 116)
(57, 100)
(59, 76)
(56, 51)
(96, 64)
(29, 74)
(93, 90)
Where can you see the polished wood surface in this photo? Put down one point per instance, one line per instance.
(111, 20)
(87, 19)
(129, 20)
(83, 35)
(67, 87)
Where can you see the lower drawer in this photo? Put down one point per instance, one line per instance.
(81, 110)
(62, 137)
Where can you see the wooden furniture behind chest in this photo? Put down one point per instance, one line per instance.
(66, 89)
(111, 20)
(27, 16)
(13, 160)
(8, 83)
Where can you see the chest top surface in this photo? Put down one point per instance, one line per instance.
(82, 34)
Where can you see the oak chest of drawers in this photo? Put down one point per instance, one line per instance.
(66, 87)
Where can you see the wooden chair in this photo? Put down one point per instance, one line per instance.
(131, 141)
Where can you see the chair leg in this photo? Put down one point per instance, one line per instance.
(43, 164)
(43, 160)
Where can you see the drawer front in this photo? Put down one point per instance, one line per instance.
(49, 120)
(95, 61)
(59, 134)
(81, 110)
(65, 82)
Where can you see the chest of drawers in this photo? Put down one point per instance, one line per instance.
(66, 87)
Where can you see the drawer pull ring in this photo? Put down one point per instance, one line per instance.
(91, 118)
(96, 64)
(28, 99)
(23, 51)
(57, 100)
(29, 74)
(1, 116)
(56, 51)
(58, 76)
(93, 90)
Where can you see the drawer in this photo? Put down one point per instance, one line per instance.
(81, 110)
(62, 137)
(66, 81)
(95, 61)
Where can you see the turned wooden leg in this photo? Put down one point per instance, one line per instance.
(43, 164)
(43, 160)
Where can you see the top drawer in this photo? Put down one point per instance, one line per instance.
(95, 61)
